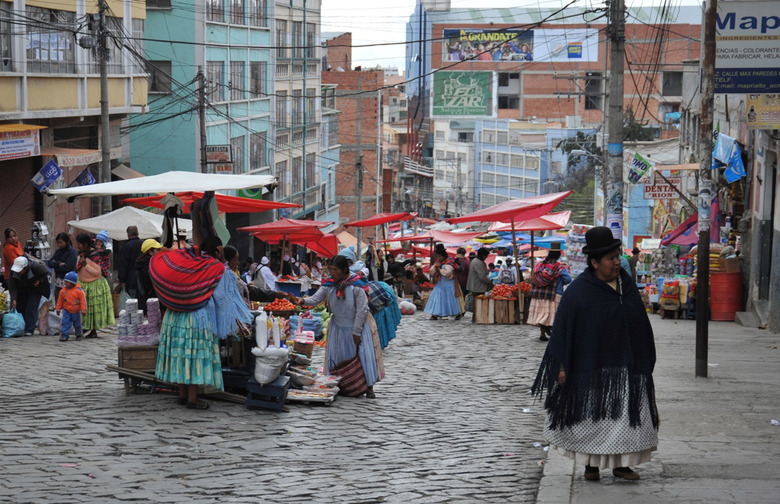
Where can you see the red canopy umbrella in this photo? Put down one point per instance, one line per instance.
(327, 245)
(515, 210)
(288, 230)
(230, 204)
(382, 218)
(547, 222)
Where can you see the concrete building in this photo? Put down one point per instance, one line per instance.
(50, 100)
(330, 153)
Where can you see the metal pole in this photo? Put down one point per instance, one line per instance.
(105, 130)
(705, 190)
(202, 119)
(359, 198)
(514, 250)
(615, 148)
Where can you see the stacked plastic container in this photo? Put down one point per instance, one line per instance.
(131, 327)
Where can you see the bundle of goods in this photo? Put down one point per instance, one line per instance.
(281, 308)
(312, 385)
(504, 291)
(575, 240)
(325, 316)
(271, 353)
(132, 329)
(303, 342)
(5, 297)
(310, 322)
(670, 294)
(407, 308)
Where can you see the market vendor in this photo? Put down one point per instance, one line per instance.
(28, 283)
(203, 304)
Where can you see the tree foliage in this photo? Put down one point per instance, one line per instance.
(634, 130)
(581, 167)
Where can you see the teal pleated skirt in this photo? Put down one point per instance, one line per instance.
(189, 351)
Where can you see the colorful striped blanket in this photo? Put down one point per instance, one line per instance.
(184, 279)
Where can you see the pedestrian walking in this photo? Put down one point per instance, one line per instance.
(93, 271)
(62, 261)
(597, 370)
(349, 331)
(446, 297)
(72, 304)
(463, 270)
(28, 283)
(547, 281)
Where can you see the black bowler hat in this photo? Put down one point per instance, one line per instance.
(600, 240)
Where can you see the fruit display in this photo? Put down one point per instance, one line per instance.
(426, 285)
(280, 305)
(525, 287)
(502, 292)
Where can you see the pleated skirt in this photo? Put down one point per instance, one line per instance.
(100, 305)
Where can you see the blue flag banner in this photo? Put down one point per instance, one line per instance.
(46, 176)
(735, 169)
(85, 178)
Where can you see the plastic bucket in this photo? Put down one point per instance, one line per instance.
(725, 295)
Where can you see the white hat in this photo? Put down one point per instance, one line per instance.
(286, 257)
(20, 263)
(264, 260)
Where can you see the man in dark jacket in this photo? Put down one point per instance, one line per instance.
(463, 273)
(28, 283)
(128, 255)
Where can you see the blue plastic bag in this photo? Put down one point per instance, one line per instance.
(13, 324)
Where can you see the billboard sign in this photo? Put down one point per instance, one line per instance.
(763, 111)
(462, 93)
(512, 46)
(19, 144)
(747, 58)
(218, 154)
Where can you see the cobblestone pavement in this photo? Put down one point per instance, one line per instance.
(448, 425)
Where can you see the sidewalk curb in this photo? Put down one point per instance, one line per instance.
(555, 487)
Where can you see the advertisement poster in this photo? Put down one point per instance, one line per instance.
(638, 167)
(508, 45)
(748, 48)
(763, 111)
(462, 93)
(19, 144)
(46, 176)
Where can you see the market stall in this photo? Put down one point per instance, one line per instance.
(516, 211)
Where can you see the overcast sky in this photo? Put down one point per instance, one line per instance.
(382, 21)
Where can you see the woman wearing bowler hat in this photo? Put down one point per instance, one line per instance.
(597, 370)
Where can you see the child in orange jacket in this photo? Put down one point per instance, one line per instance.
(74, 302)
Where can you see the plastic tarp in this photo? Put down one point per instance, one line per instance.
(547, 222)
(382, 218)
(116, 222)
(452, 237)
(517, 209)
(229, 204)
(285, 226)
(181, 181)
(686, 233)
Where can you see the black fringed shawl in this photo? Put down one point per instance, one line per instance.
(602, 338)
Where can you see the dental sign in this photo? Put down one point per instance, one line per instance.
(747, 47)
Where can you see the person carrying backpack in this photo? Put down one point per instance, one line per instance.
(507, 274)
(547, 280)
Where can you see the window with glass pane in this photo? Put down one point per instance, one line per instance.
(297, 39)
(237, 12)
(236, 83)
(297, 175)
(516, 160)
(281, 38)
(257, 150)
(114, 63)
(311, 104)
(215, 11)
(257, 16)
(501, 138)
(237, 149)
(311, 40)
(6, 53)
(311, 170)
(297, 107)
(49, 49)
(502, 158)
(281, 109)
(257, 78)
(159, 76)
(502, 180)
(214, 76)
(283, 179)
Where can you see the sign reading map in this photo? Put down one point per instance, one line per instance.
(462, 93)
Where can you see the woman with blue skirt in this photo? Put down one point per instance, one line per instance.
(446, 297)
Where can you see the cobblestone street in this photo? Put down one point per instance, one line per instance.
(447, 426)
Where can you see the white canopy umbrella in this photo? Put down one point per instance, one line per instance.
(173, 181)
(116, 222)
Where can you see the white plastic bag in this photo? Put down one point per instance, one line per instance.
(268, 363)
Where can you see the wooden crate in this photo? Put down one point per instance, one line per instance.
(498, 311)
(484, 310)
(271, 396)
(141, 357)
(505, 311)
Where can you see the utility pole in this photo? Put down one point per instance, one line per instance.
(705, 189)
(614, 217)
(105, 128)
(202, 119)
(359, 199)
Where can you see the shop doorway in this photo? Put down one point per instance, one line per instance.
(765, 268)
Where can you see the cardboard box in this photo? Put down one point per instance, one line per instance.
(425, 295)
(730, 264)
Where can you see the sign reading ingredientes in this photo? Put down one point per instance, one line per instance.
(747, 58)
